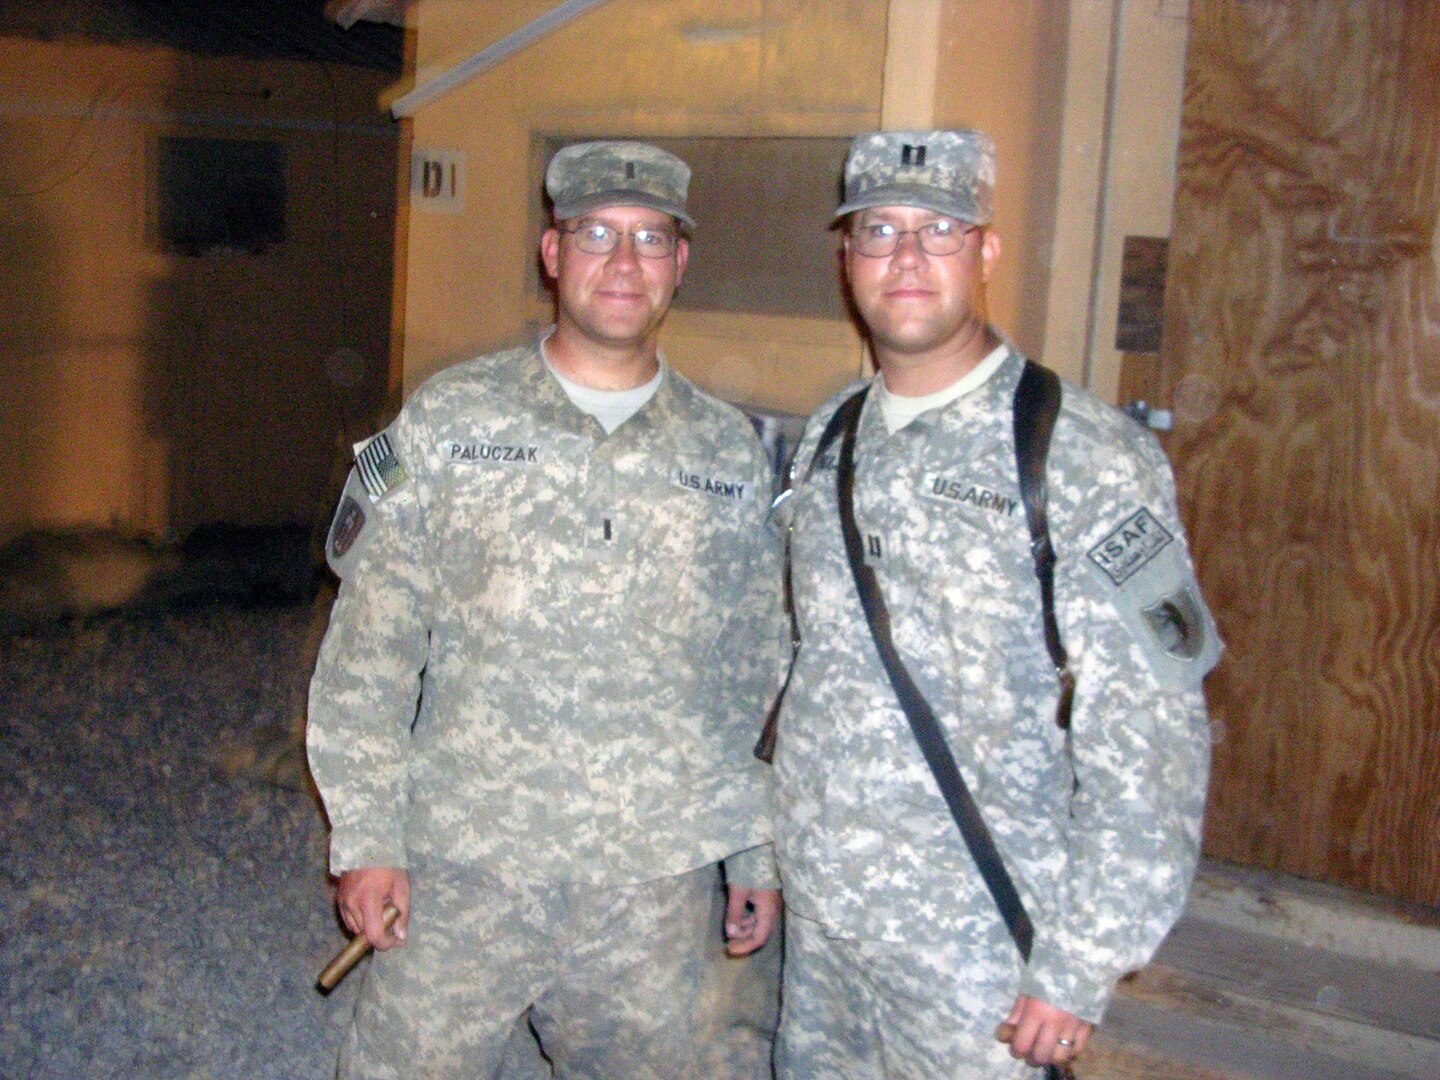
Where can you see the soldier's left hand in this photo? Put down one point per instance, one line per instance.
(750, 918)
(1043, 1034)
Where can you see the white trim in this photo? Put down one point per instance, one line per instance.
(495, 53)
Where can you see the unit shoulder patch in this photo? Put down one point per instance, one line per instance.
(1177, 623)
(348, 533)
(349, 521)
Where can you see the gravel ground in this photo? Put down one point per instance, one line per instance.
(164, 909)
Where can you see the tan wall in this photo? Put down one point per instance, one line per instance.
(1125, 67)
(1001, 69)
(146, 391)
(773, 67)
(1084, 102)
(633, 67)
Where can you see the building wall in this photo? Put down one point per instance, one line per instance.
(631, 67)
(1029, 71)
(149, 392)
(1083, 99)
(1115, 171)
(1002, 69)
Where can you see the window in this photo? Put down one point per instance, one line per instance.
(221, 196)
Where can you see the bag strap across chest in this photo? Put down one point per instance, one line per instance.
(1036, 406)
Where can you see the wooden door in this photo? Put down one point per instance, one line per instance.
(1302, 360)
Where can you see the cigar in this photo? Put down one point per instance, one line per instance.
(349, 956)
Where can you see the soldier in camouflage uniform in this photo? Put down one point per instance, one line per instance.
(559, 553)
(898, 963)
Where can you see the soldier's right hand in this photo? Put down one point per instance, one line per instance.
(361, 897)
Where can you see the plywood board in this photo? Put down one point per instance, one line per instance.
(1302, 359)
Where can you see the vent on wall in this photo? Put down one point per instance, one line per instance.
(220, 196)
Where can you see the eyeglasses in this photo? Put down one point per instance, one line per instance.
(943, 237)
(597, 239)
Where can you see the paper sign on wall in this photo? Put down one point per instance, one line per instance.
(437, 180)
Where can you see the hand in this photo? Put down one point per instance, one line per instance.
(361, 896)
(750, 918)
(1034, 1030)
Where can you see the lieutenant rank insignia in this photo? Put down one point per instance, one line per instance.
(380, 470)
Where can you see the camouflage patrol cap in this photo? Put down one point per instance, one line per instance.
(950, 172)
(587, 176)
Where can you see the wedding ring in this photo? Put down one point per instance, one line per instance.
(1064, 1042)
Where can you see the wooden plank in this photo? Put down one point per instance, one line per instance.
(1106, 1058)
(1391, 997)
(1184, 1040)
(912, 58)
(1316, 914)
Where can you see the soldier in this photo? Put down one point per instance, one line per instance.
(898, 960)
(561, 557)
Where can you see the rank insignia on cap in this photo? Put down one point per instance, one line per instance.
(380, 470)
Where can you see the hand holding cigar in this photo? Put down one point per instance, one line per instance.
(349, 956)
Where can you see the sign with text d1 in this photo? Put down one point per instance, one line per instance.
(437, 180)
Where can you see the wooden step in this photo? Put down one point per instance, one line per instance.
(1242, 991)
(1314, 913)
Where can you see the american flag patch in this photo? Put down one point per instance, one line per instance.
(379, 468)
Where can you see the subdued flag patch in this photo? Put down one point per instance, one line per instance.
(380, 470)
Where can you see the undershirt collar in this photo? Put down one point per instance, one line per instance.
(898, 410)
(610, 408)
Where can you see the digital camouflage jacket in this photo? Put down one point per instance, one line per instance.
(589, 624)
(1100, 826)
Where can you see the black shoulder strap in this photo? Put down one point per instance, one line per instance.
(1037, 404)
(838, 419)
(923, 722)
(765, 746)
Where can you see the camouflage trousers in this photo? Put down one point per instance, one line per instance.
(869, 1010)
(617, 983)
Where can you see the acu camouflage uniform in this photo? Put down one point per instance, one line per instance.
(590, 624)
(1098, 827)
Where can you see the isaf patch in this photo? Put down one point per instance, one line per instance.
(379, 467)
(1122, 554)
